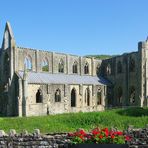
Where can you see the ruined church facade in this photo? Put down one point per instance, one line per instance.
(36, 82)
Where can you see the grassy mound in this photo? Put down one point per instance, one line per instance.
(119, 118)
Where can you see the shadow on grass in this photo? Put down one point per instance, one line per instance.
(135, 112)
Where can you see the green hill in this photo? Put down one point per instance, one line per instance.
(101, 57)
(119, 118)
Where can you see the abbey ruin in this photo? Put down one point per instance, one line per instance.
(36, 82)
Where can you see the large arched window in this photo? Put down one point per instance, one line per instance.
(39, 96)
(86, 68)
(108, 69)
(61, 66)
(99, 97)
(73, 97)
(58, 95)
(131, 65)
(6, 43)
(119, 95)
(45, 65)
(28, 63)
(132, 94)
(75, 67)
(87, 96)
(119, 67)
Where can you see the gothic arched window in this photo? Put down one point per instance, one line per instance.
(39, 96)
(73, 97)
(75, 67)
(28, 63)
(87, 96)
(99, 97)
(58, 95)
(61, 66)
(6, 37)
(120, 94)
(86, 68)
(45, 65)
(119, 67)
(132, 94)
(108, 69)
(131, 65)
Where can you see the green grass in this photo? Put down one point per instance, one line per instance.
(70, 122)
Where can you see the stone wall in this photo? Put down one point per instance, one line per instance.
(139, 137)
(61, 140)
(37, 57)
(125, 77)
(49, 106)
(34, 140)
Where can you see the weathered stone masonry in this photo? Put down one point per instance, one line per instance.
(35, 82)
(62, 140)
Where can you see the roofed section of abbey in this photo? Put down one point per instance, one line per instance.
(35, 82)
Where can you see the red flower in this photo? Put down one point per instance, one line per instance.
(81, 137)
(119, 133)
(112, 136)
(106, 131)
(95, 131)
(111, 133)
(100, 136)
(82, 132)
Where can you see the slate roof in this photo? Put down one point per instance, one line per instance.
(46, 78)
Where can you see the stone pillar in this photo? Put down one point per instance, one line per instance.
(20, 99)
(11, 63)
(25, 94)
(16, 59)
(37, 61)
(93, 68)
(52, 62)
(67, 63)
(81, 65)
(104, 95)
(143, 53)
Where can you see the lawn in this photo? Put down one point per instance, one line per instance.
(119, 118)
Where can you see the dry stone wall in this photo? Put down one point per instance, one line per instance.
(35, 140)
(61, 140)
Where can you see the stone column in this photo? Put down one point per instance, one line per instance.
(104, 95)
(67, 63)
(16, 67)
(81, 65)
(93, 69)
(142, 49)
(25, 94)
(52, 63)
(20, 99)
(37, 61)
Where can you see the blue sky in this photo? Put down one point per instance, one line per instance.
(80, 27)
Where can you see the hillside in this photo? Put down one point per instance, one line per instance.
(101, 57)
(119, 118)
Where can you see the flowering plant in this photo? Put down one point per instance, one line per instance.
(97, 135)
